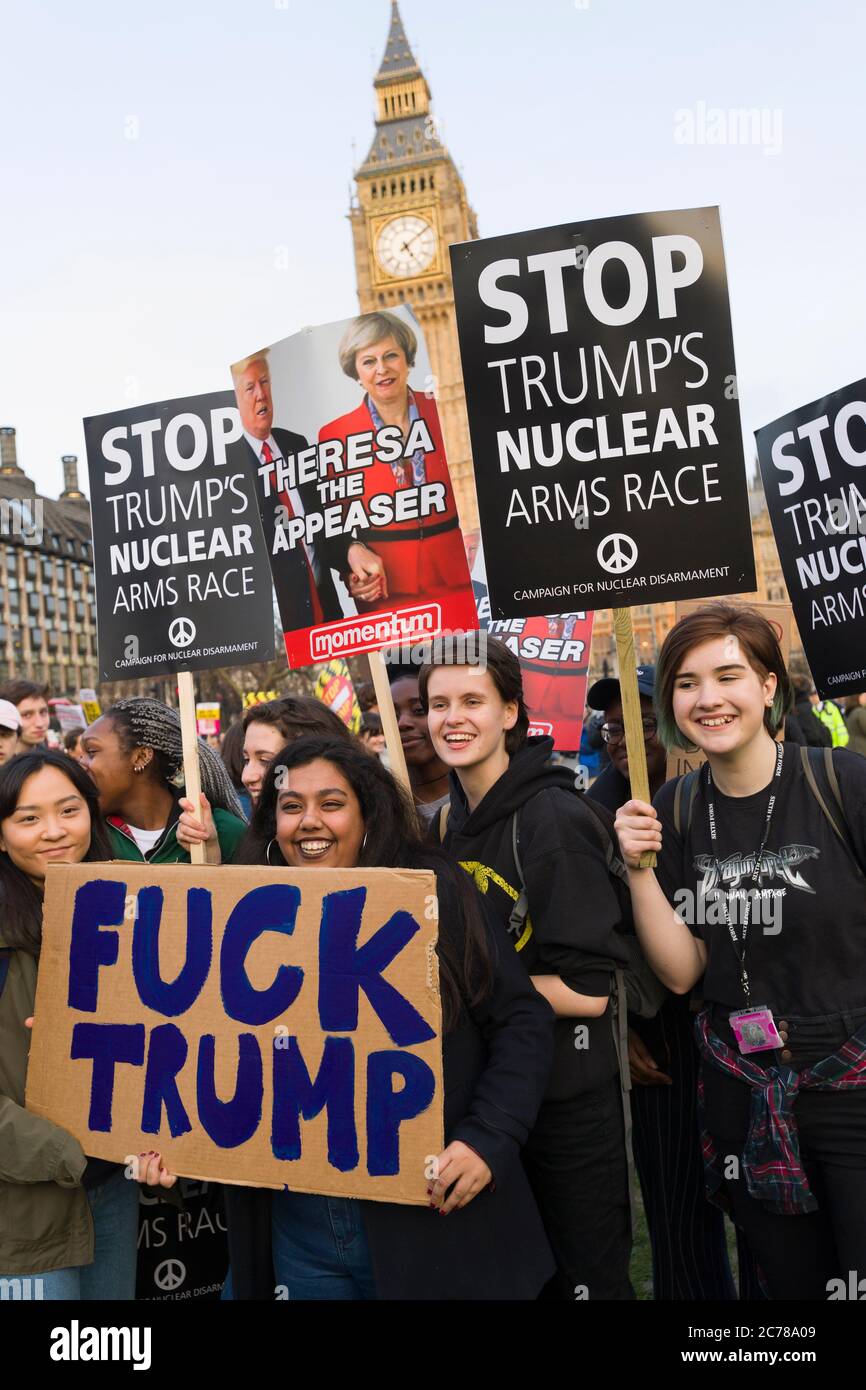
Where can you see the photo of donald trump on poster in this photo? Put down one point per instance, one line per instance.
(345, 446)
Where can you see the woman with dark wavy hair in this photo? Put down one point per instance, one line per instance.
(68, 1221)
(328, 804)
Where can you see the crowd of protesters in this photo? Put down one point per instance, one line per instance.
(706, 1015)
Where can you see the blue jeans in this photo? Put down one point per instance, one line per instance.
(114, 1208)
(320, 1248)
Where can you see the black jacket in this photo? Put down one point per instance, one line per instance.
(574, 909)
(815, 734)
(289, 568)
(496, 1062)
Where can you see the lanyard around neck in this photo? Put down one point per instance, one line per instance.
(739, 944)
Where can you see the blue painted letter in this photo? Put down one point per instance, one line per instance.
(175, 998)
(230, 1122)
(166, 1055)
(296, 1095)
(273, 907)
(106, 1044)
(387, 1108)
(98, 903)
(344, 969)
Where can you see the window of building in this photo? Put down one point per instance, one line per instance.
(373, 191)
(36, 636)
(32, 603)
(50, 604)
(31, 567)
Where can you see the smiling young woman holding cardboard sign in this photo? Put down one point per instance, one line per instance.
(329, 804)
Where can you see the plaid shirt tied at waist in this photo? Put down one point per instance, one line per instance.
(771, 1161)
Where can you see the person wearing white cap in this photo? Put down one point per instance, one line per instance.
(10, 723)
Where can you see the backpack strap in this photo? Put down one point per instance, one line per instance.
(822, 758)
(684, 792)
(520, 910)
(606, 836)
(444, 813)
(5, 962)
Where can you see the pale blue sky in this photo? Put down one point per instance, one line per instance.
(137, 269)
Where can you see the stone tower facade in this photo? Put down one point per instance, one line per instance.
(410, 206)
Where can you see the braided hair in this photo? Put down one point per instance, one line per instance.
(146, 723)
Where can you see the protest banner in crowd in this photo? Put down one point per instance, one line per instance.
(554, 660)
(207, 717)
(182, 1251)
(68, 715)
(168, 1017)
(342, 439)
(818, 510)
(780, 618)
(601, 390)
(335, 689)
(89, 701)
(182, 579)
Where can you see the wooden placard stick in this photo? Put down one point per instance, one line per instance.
(189, 735)
(388, 714)
(632, 716)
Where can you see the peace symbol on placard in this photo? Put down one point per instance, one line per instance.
(169, 1275)
(617, 553)
(181, 632)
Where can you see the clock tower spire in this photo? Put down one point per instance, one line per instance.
(410, 205)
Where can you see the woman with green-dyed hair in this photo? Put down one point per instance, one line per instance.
(761, 852)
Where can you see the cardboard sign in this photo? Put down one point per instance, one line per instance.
(599, 370)
(207, 717)
(554, 660)
(811, 467)
(779, 616)
(335, 689)
(182, 577)
(360, 519)
(254, 1025)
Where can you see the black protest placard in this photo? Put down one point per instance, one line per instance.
(811, 462)
(600, 383)
(182, 574)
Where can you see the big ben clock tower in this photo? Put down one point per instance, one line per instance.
(410, 206)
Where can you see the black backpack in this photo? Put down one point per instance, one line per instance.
(819, 769)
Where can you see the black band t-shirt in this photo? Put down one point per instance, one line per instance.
(806, 940)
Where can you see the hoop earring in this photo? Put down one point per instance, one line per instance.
(363, 842)
(268, 853)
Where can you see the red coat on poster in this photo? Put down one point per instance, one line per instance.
(424, 557)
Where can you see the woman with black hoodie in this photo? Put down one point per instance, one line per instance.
(509, 803)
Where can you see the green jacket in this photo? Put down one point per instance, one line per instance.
(230, 831)
(830, 714)
(45, 1220)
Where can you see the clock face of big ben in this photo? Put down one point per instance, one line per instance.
(406, 245)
